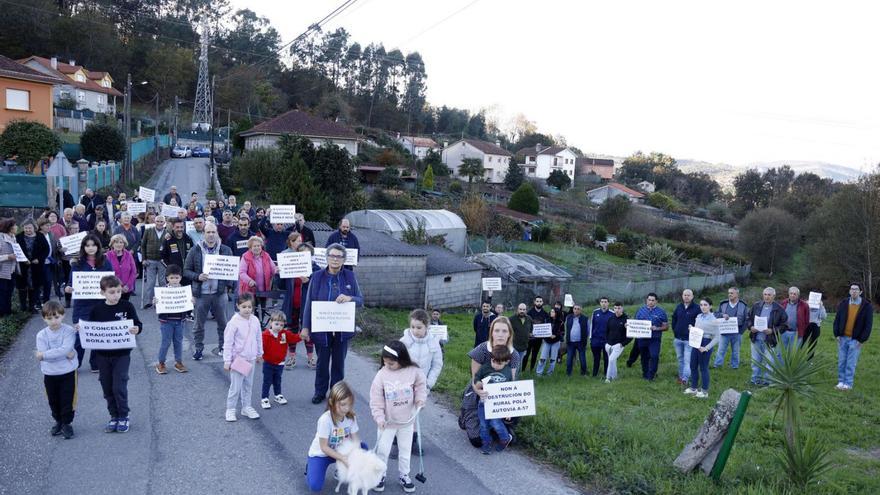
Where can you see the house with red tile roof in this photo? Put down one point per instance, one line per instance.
(495, 158)
(296, 122)
(25, 94)
(91, 90)
(612, 189)
(418, 146)
(540, 161)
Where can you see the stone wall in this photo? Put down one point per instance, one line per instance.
(453, 290)
(392, 281)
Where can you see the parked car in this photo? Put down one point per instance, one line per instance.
(181, 152)
(201, 151)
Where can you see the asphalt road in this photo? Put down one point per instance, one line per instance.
(179, 441)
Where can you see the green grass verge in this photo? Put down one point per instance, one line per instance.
(10, 326)
(567, 255)
(623, 437)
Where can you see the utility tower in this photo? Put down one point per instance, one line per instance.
(202, 118)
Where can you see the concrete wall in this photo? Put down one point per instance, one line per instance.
(392, 281)
(461, 289)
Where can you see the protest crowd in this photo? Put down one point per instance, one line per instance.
(193, 258)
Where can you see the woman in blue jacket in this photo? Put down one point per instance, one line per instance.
(330, 284)
(90, 259)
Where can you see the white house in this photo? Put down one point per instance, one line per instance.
(418, 146)
(612, 189)
(646, 186)
(317, 130)
(541, 161)
(91, 90)
(495, 158)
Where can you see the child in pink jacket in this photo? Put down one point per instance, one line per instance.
(398, 392)
(242, 346)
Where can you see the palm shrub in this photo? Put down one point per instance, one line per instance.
(657, 253)
(804, 457)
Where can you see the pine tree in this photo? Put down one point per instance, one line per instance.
(524, 199)
(428, 181)
(294, 185)
(515, 176)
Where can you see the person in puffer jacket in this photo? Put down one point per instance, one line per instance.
(423, 348)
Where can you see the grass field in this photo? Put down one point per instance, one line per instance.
(566, 255)
(622, 437)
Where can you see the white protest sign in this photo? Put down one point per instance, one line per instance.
(542, 330)
(221, 267)
(293, 265)
(148, 195)
(320, 257)
(282, 214)
(106, 334)
(440, 331)
(19, 254)
(192, 226)
(638, 329)
(174, 299)
(87, 285)
(330, 316)
(492, 283)
(726, 327)
(70, 243)
(170, 212)
(815, 300)
(695, 337)
(351, 257)
(134, 207)
(569, 301)
(242, 244)
(760, 323)
(510, 399)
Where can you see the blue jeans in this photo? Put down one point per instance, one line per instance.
(683, 354)
(495, 424)
(316, 470)
(759, 348)
(788, 338)
(548, 354)
(579, 348)
(735, 342)
(650, 353)
(327, 373)
(172, 333)
(700, 365)
(271, 378)
(848, 351)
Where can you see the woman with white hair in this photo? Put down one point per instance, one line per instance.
(255, 271)
(123, 264)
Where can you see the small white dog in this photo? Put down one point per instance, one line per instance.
(364, 470)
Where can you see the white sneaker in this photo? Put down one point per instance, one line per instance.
(840, 386)
(607, 380)
(230, 415)
(690, 391)
(846, 387)
(250, 412)
(280, 399)
(265, 404)
(702, 394)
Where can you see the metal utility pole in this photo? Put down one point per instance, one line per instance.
(176, 102)
(211, 123)
(127, 122)
(204, 99)
(156, 129)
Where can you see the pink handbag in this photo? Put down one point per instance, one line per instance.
(241, 364)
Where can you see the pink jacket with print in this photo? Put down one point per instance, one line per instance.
(242, 337)
(394, 394)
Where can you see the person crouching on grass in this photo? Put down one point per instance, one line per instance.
(495, 371)
(242, 346)
(171, 326)
(396, 395)
(113, 364)
(58, 363)
(276, 340)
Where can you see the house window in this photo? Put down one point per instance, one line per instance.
(101, 99)
(105, 83)
(17, 99)
(81, 96)
(80, 78)
(447, 279)
(490, 159)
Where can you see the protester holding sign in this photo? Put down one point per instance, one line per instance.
(171, 325)
(123, 264)
(255, 271)
(550, 348)
(683, 317)
(276, 237)
(817, 316)
(90, 259)
(650, 347)
(30, 281)
(733, 307)
(423, 348)
(345, 237)
(598, 332)
(538, 315)
(210, 293)
(8, 264)
(237, 241)
(701, 356)
(762, 339)
(330, 284)
(295, 291)
(176, 246)
(497, 370)
(152, 240)
(113, 364)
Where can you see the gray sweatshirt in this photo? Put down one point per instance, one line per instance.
(55, 346)
(709, 324)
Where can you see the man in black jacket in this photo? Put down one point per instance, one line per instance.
(764, 339)
(852, 327)
(538, 316)
(176, 246)
(577, 331)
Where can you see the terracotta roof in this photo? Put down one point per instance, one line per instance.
(64, 69)
(302, 123)
(14, 70)
(600, 162)
(486, 147)
(620, 187)
(421, 142)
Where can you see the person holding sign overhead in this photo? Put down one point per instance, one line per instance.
(766, 319)
(330, 284)
(210, 293)
(345, 237)
(90, 259)
(8, 264)
(701, 355)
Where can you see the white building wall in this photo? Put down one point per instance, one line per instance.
(453, 290)
(271, 141)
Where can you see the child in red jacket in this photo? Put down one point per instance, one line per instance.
(275, 341)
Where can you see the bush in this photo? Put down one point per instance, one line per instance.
(564, 233)
(524, 200)
(102, 142)
(613, 212)
(393, 200)
(29, 141)
(428, 180)
(664, 202)
(600, 233)
(475, 214)
(455, 187)
(619, 249)
(632, 239)
(541, 233)
(769, 236)
(506, 228)
(390, 178)
(657, 253)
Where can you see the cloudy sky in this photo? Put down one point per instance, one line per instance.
(736, 83)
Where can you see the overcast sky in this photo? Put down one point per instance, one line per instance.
(736, 83)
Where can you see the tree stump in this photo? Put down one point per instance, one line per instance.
(704, 448)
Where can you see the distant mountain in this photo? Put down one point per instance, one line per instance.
(724, 173)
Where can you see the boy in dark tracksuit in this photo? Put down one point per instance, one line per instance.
(113, 364)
